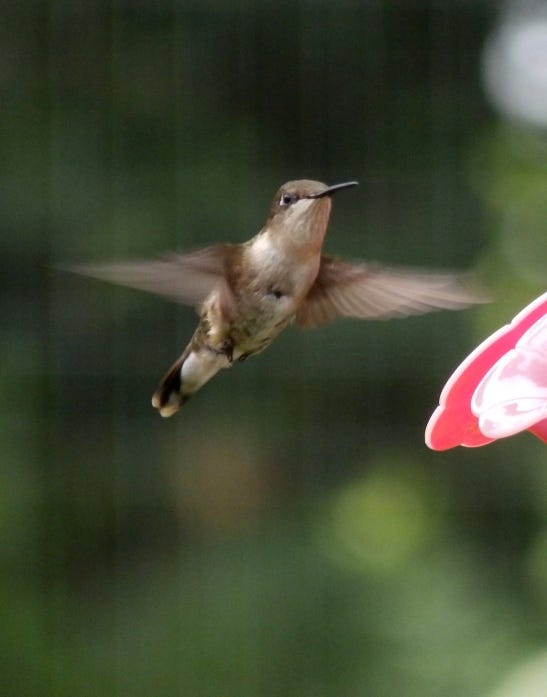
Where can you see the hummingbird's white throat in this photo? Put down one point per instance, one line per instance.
(296, 224)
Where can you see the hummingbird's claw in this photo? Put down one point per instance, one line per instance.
(226, 348)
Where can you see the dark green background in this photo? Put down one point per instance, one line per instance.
(288, 533)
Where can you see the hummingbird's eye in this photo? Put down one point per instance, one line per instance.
(288, 199)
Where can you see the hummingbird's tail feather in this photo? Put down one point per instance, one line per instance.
(167, 399)
(186, 376)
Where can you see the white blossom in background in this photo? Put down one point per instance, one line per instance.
(515, 63)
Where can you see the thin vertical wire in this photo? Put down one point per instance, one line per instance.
(55, 483)
(119, 429)
(443, 116)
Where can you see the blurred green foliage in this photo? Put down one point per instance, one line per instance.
(287, 533)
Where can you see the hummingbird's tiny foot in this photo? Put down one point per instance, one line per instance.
(226, 348)
(243, 357)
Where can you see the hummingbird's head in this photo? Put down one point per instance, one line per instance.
(301, 208)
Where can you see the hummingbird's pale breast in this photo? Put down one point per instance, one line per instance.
(278, 268)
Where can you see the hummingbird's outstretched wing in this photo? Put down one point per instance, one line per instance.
(369, 291)
(184, 278)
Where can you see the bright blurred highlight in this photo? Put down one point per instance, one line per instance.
(379, 522)
(515, 66)
(528, 680)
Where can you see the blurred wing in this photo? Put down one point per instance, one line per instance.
(184, 278)
(369, 291)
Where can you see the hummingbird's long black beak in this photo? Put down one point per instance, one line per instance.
(332, 189)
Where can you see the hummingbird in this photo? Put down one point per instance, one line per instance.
(247, 294)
